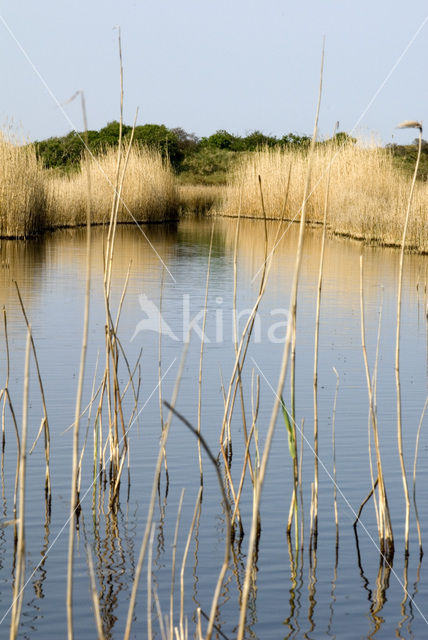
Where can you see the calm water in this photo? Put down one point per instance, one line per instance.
(343, 597)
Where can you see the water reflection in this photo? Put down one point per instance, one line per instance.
(114, 527)
(110, 565)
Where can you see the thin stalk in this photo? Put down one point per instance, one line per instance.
(174, 556)
(73, 493)
(314, 527)
(160, 368)
(186, 551)
(397, 345)
(421, 551)
(384, 520)
(149, 585)
(45, 422)
(18, 589)
(336, 515)
(202, 352)
(94, 595)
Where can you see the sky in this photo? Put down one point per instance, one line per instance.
(205, 65)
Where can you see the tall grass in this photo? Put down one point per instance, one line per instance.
(22, 194)
(368, 194)
(33, 199)
(149, 193)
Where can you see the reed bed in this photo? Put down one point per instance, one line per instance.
(367, 194)
(199, 198)
(22, 193)
(149, 193)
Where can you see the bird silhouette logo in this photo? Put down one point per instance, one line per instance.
(154, 320)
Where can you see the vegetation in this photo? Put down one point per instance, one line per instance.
(367, 196)
(171, 170)
(405, 158)
(148, 194)
(22, 194)
(33, 199)
(201, 160)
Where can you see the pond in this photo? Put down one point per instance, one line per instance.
(345, 592)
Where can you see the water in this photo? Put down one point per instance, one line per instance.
(344, 596)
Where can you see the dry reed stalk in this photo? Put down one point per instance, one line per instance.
(149, 585)
(160, 372)
(258, 487)
(253, 430)
(186, 551)
(142, 553)
(159, 612)
(199, 626)
(314, 527)
(89, 407)
(18, 587)
(74, 499)
(386, 537)
(44, 426)
(418, 525)
(226, 505)
(114, 396)
(374, 391)
(336, 515)
(302, 511)
(6, 397)
(174, 555)
(201, 354)
(293, 513)
(397, 346)
(94, 595)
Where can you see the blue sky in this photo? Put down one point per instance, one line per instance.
(205, 65)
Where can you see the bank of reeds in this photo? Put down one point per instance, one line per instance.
(33, 199)
(149, 192)
(22, 193)
(368, 194)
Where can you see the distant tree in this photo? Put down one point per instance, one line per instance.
(256, 140)
(221, 139)
(293, 140)
(158, 136)
(108, 136)
(188, 141)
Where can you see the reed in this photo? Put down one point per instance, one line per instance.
(148, 194)
(18, 587)
(368, 193)
(201, 354)
(44, 425)
(74, 497)
(386, 538)
(404, 125)
(314, 524)
(415, 460)
(199, 198)
(22, 193)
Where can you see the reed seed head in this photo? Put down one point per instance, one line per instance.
(410, 124)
